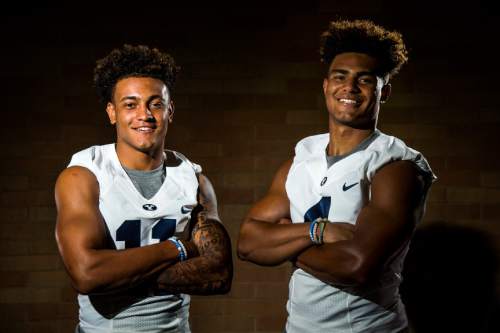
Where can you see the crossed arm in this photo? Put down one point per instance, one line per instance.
(350, 255)
(94, 268)
(211, 272)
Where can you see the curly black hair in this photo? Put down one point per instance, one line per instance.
(138, 61)
(364, 36)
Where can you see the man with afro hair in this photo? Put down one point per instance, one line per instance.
(137, 225)
(344, 208)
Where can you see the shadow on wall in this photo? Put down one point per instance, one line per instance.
(450, 279)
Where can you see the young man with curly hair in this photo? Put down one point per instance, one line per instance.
(137, 225)
(344, 208)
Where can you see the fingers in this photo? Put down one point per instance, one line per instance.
(191, 249)
(338, 231)
(285, 221)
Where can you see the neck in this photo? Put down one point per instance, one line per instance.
(343, 139)
(132, 158)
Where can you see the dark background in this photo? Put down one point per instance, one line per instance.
(249, 89)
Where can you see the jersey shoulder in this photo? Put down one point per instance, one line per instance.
(311, 145)
(386, 148)
(175, 159)
(100, 160)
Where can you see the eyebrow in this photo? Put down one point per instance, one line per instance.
(128, 97)
(137, 98)
(343, 71)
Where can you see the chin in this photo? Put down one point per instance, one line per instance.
(354, 122)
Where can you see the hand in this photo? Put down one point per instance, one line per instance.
(186, 233)
(337, 231)
(285, 221)
(191, 249)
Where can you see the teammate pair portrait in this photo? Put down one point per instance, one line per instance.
(138, 228)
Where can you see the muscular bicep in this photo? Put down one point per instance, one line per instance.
(207, 197)
(387, 222)
(79, 226)
(208, 234)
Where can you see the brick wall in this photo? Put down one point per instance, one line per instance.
(250, 88)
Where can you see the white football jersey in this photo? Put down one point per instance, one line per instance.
(339, 193)
(133, 221)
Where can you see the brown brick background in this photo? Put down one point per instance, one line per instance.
(249, 89)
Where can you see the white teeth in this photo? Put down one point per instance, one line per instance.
(145, 129)
(347, 101)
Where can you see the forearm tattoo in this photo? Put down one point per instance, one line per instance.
(210, 272)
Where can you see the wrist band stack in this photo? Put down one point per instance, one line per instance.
(316, 230)
(180, 247)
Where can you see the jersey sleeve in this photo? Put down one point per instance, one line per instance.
(84, 158)
(196, 167)
(392, 149)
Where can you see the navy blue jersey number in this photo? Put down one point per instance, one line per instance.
(130, 231)
(321, 209)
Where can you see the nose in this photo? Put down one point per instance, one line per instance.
(144, 113)
(351, 85)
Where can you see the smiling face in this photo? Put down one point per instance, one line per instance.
(141, 109)
(353, 92)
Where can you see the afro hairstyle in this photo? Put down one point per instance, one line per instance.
(133, 61)
(364, 36)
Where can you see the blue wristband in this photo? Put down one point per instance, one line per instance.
(180, 247)
(311, 231)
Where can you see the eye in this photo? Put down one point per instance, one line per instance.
(129, 105)
(156, 105)
(366, 80)
(338, 77)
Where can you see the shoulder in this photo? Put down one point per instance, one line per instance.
(93, 158)
(75, 182)
(175, 159)
(311, 145)
(386, 149)
(101, 161)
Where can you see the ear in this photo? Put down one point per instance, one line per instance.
(385, 93)
(171, 109)
(325, 84)
(110, 109)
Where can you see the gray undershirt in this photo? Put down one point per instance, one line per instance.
(147, 182)
(331, 160)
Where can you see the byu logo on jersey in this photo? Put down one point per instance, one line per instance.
(149, 207)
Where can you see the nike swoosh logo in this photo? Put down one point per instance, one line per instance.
(345, 187)
(186, 209)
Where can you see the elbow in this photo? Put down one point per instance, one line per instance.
(83, 279)
(242, 250)
(225, 283)
(83, 284)
(226, 277)
(244, 247)
(221, 281)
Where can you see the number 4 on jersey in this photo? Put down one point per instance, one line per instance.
(321, 209)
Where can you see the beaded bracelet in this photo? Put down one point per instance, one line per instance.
(183, 250)
(180, 247)
(321, 229)
(317, 229)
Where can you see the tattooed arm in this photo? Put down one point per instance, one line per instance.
(212, 271)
